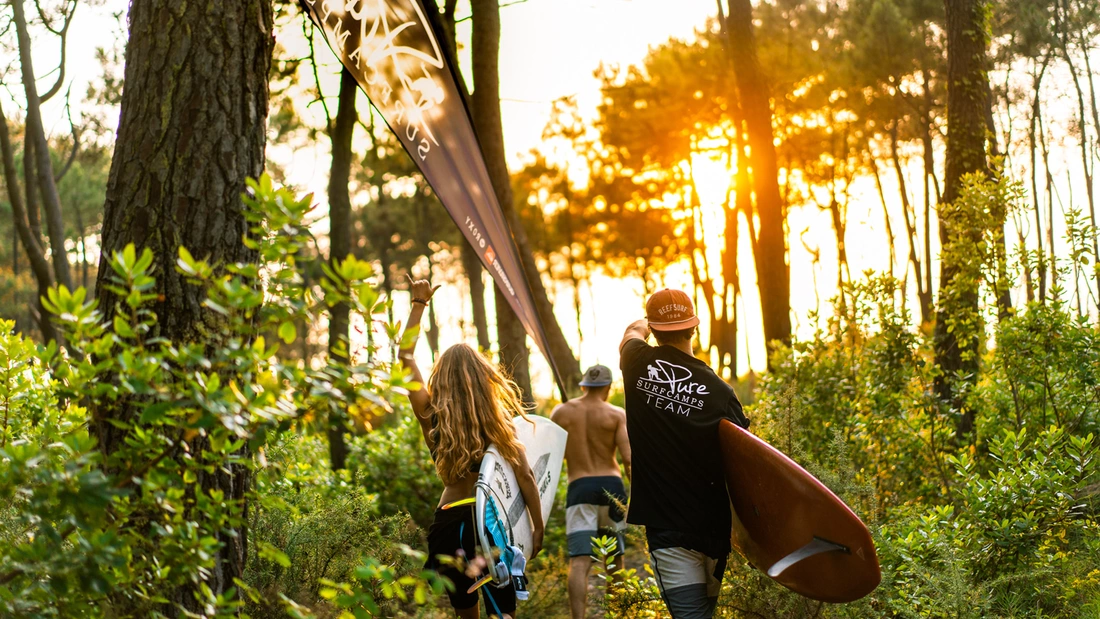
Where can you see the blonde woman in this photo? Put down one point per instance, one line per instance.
(466, 405)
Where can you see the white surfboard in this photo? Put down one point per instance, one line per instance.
(544, 441)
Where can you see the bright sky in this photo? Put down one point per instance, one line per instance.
(550, 49)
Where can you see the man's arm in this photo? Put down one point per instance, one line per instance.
(638, 330)
(736, 414)
(622, 442)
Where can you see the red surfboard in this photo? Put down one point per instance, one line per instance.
(788, 524)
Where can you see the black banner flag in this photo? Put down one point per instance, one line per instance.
(395, 55)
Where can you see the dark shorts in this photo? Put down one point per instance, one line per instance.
(590, 512)
(452, 531)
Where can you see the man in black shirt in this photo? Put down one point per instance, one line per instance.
(674, 403)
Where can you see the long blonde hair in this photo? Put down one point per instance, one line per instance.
(474, 403)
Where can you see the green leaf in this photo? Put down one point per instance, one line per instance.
(122, 327)
(155, 412)
(409, 336)
(271, 553)
(287, 332)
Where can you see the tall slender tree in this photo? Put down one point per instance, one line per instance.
(36, 255)
(341, 131)
(191, 130)
(772, 270)
(956, 349)
(40, 167)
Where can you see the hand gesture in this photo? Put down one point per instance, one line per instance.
(421, 289)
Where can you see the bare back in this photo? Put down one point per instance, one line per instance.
(595, 429)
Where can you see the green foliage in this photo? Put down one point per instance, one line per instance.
(625, 592)
(393, 464)
(135, 524)
(1018, 540)
(1006, 527)
(315, 531)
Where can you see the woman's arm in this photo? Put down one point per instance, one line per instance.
(529, 489)
(421, 291)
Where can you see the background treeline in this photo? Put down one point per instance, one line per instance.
(195, 423)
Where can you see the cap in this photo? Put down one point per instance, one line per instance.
(670, 310)
(596, 376)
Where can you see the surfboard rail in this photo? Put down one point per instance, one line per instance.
(791, 526)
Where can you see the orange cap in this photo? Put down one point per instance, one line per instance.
(670, 310)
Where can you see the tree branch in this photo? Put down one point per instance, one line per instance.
(35, 134)
(316, 77)
(33, 249)
(469, 17)
(63, 33)
(76, 143)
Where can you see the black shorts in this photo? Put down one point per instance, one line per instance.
(453, 530)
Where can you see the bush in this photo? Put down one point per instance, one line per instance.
(135, 526)
(392, 463)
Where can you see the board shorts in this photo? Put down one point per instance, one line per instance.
(689, 579)
(452, 530)
(591, 512)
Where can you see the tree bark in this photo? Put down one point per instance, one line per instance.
(772, 270)
(890, 244)
(486, 112)
(42, 164)
(472, 266)
(36, 256)
(30, 187)
(924, 290)
(339, 201)
(967, 99)
(927, 125)
(1033, 163)
(191, 130)
(1000, 238)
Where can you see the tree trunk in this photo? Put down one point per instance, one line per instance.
(889, 228)
(472, 266)
(191, 130)
(1002, 291)
(1052, 262)
(42, 164)
(36, 256)
(486, 112)
(1033, 163)
(1086, 160)
(929, 174)
(924, 290)
(956, 351)
(772, 270)
(339, 205)
(30, 188)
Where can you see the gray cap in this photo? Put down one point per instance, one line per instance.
(597, 376)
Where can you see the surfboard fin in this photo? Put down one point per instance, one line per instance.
(816, 546)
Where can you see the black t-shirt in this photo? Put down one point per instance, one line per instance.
(674, 403)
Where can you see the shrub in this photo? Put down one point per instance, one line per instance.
(139, 532)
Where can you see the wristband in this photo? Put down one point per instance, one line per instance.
(423, 302)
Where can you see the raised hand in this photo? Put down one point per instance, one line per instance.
(421, 289)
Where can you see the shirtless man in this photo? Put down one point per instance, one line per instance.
(596, 429)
